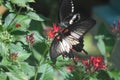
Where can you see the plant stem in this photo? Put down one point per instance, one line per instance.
(36, 72)
(40, 62)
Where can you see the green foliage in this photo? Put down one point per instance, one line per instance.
(101, 44)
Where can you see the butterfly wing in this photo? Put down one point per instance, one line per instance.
(78, 30)
(54, 53)
(82, 27)
(66, 11)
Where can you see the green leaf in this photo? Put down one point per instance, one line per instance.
(1, 1)
(16, 48)
(9, 19)
(101, 44)
(21, 3)
(42, 48)
(37, 26)
(1, 48)
(9, 6)
(64, 74)
(1, 27)
(11, 76)
(28, 69)
(35, 16)
(12, 19)
(102, 75)
(93, 78)
(24, 22)
(114, 74)
(3, 76)
(47, 72)
(37, 55)
(38, 37)
(24, 56)
(16, 73)
(22, 53)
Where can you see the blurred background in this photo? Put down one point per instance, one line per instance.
(49, 8)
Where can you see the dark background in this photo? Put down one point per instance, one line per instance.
(49, 8)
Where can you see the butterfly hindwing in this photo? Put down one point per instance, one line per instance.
(82, 27)
(54, 53)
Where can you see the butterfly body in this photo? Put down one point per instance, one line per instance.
(70, 38)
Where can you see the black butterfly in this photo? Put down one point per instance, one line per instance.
(70, 38)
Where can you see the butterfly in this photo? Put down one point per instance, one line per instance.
(70, 38)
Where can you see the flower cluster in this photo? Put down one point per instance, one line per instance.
(94, 63)
(116, 27)
(51, 33)
(30, 38)
(13, 56)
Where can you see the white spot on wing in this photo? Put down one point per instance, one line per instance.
(72, 10)
(75, 35)
(60, 48)
(64, 46)
(72, 40)
(75, 16)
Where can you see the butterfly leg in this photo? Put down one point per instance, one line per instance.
(85, 51)
(71, 55)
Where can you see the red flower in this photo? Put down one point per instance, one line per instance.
(94, 63)
(86, 63)
(56, 28)
(17, 25)
(30, 38)
(97, 62)
(52, 32)
(91, 59)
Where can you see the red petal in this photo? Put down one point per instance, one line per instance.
(56, 28)
(51, 34)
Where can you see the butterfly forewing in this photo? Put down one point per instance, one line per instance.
(66, 10)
